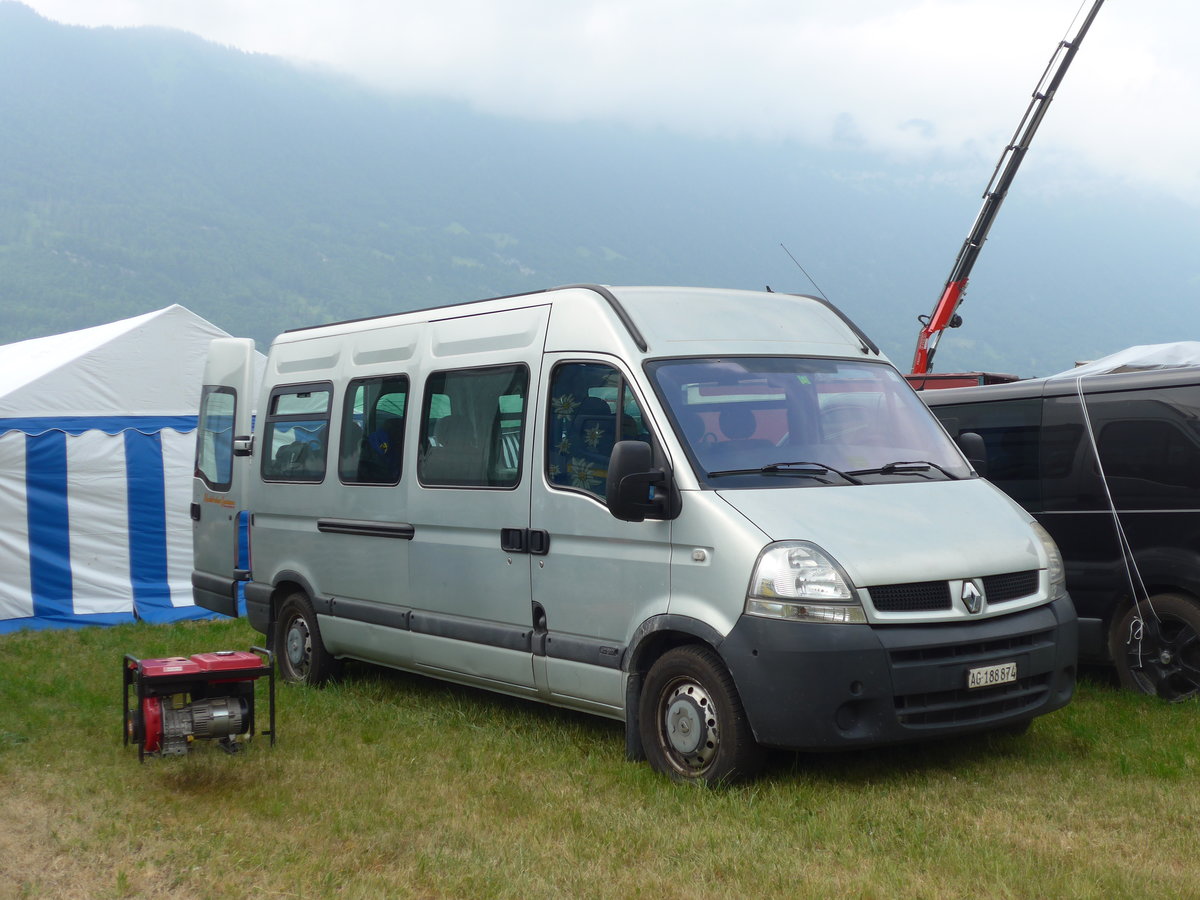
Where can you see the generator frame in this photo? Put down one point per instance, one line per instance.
(205, 684)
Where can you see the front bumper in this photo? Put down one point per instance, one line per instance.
(814, 686)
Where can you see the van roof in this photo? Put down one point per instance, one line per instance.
(672, 321)
(672, 317)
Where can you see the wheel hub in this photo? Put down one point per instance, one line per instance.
(690, 725)
(1162, 656)
(685, 725)
(297, 641)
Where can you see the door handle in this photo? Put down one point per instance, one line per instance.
(525, 540)
(195, 512)
(514, 540)
(539, 541)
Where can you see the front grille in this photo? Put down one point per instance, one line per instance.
(917, 596)
(984, 650)
(964, 705)
(1002, 588)
(932, 596)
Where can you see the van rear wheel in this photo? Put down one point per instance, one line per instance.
(1158, 651)
(692, 723)
(298, 645)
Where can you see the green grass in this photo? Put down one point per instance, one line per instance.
(392, 785)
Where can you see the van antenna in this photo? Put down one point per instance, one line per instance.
(806, 275)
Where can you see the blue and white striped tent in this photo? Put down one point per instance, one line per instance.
(96, 444)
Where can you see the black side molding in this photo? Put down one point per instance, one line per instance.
(366, 528)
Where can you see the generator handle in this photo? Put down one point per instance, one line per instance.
(129, 665)
(269, 659)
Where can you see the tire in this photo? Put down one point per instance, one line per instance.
(1162, 656)
(302, 656)
(692, 723)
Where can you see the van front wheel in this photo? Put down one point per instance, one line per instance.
(692, 722)
(1158, 650)
(298, 645)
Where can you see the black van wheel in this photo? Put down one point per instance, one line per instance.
(298, 645)
(692, 723)
(1160, 656)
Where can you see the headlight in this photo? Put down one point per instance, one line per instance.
(1055, 571)
(798, 581)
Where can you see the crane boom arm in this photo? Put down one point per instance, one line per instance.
(944, 314)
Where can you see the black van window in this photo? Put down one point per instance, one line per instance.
(372, 441)
(472, 427)
(1149, 443)
(1070, 478)
(1011, 432)
(583, 424)
(296, 433)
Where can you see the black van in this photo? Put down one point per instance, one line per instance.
(1110, 465)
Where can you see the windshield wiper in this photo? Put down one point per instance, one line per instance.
(906, 467)
(811, 470)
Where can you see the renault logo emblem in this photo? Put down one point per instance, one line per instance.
(971, 598)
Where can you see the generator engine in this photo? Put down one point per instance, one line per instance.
(209, 696)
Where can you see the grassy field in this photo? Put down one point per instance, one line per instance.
(389, 785)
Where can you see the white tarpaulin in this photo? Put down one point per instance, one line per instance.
(1140, 358)
(96, 444)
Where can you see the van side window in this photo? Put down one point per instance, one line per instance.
(472, 427)
(372, 440)
(296, 433)
(583, 425)
(1149, 444)
(214, 438)
(1070, 477)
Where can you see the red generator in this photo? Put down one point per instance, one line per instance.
(209, 696)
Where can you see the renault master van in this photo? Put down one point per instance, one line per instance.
(720, 517)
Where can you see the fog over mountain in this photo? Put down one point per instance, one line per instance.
(145, 167)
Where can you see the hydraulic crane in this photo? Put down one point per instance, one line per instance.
(945, 313)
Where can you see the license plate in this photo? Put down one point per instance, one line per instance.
(988, 676)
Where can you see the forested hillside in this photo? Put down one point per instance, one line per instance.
(145, 167)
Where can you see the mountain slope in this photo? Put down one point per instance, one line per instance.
(145, 167)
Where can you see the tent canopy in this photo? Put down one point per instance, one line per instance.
(96, 446)
(141, 373)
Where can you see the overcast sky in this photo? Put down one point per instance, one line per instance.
(938, 80)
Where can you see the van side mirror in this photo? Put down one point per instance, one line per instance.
(636, 489)
(975, 450)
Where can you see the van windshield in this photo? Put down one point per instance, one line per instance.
(802, 422)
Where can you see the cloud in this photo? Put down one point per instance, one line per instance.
(943, 80)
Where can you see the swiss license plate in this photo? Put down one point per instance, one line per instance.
(988, 676)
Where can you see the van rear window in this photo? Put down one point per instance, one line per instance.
(214, 438)
(296, 434)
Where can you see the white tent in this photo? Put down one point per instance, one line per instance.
(96, 446)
